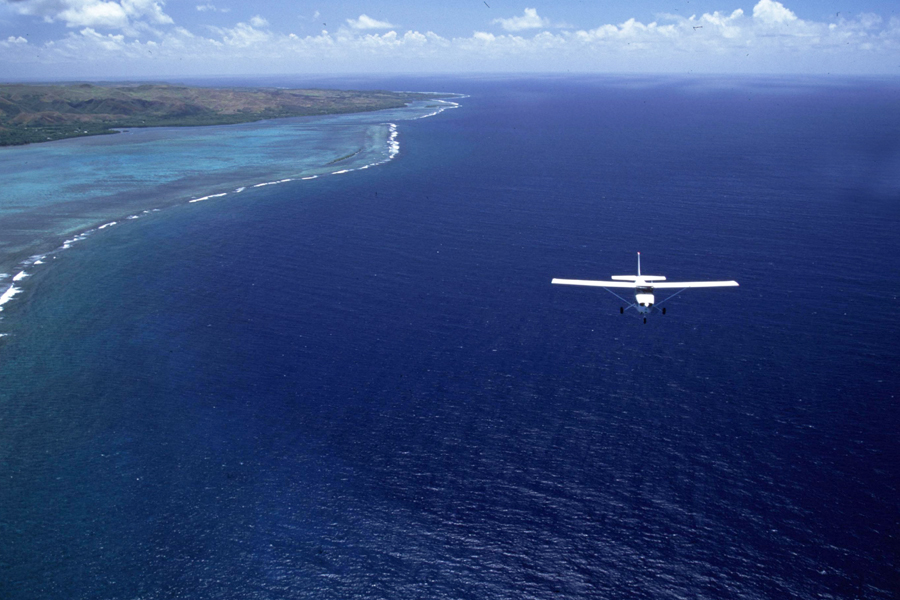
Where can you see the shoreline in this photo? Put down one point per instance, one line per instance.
(38, 113)
(19, 266)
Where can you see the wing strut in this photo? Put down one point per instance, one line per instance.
(669, 297)
(619, 297)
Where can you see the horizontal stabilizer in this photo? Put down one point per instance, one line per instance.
(693, 284)
(604, 284)
(636, 277)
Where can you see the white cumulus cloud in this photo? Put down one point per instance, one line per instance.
(529, 20)
(150, 10)
(210, 7)
(769, 11)
(367, 22)
(108, 42)
(244, 35)
(108, 14)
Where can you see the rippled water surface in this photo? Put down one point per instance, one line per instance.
(365, 386)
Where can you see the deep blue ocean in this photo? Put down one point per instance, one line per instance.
(365, 386)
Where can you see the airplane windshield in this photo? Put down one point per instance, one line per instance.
(644, 290)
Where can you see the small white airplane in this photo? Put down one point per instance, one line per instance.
(643, 286)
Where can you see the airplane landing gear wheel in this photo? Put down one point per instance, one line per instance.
(664, 310)
(645, 320)
(621, 310)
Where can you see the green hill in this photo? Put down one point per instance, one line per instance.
(38, 113)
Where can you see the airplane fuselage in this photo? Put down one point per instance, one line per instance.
(643, 297)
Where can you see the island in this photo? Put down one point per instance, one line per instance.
(31, 113)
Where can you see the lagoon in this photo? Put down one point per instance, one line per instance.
(54, 193)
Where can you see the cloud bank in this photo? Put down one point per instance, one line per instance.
(131, 37)
(530, 20)
(121, 14)
(366, 22)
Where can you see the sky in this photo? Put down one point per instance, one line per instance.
(136, 39)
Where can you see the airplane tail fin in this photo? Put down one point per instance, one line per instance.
(648, 278)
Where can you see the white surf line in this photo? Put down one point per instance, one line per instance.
(272, 182)
(207, 197)
(393, 149)
(12, 290)
(393, 144)
(8, 295)
(68, 243)
(38, 259)
(450, 104)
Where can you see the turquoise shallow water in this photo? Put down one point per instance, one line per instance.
(63, 188)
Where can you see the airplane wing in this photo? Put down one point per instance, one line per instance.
(603, 284)
(691, 284)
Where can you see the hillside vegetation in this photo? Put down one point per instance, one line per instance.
(38, 113)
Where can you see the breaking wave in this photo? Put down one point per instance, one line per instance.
(390, 149)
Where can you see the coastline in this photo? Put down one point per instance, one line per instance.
(52, 234)
(37, 113)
